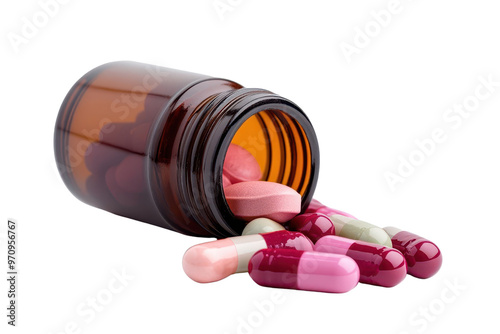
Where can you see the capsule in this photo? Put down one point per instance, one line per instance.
(378, 265)
(303, 270)
(346, 225)
(359, 230)
(316, 207)
(312, 225)
(423, 257)
(262, 225)
(215, 260)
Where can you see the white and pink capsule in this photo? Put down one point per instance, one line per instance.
(215, 260)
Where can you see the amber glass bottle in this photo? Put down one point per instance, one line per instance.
(148, 143)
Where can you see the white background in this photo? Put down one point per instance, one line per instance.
(366, 112)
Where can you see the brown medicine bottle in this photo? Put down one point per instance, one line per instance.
(148, 143)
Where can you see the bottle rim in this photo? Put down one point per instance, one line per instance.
(205, 153)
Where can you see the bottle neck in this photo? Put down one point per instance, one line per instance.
(272, 128)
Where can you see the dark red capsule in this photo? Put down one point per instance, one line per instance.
(312, 225)
(422, 256)
(378, 265)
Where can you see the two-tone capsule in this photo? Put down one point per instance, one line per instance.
(316, 206)
(312, 225)
(262, 225)
(423, 257)
(215, 260)
(356, 229)
(302, 270)
(349, 227)
(378, 265)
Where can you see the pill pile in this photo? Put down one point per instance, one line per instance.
(322, 249)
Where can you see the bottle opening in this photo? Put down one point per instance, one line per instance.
(281, 139)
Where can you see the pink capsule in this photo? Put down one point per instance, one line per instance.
(215, 260)
(261, 199)
(303, 270)
(312, 225)
(240, 165)
(378, 265)
(423, 257)
(316, 207)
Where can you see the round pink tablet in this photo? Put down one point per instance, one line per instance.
(240, 165)
(225, 181)
(255, 199)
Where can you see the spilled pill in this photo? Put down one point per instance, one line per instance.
(312, 225)
(348, 226)
(240, 165)
(215, 260)
(261, 225)
(360, 230)
(316, 207)
(303, 270)
(378, 265)
(256, 199)
(423, 257)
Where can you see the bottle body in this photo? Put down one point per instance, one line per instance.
(148, 143)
